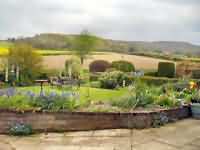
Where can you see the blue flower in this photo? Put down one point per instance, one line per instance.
(66, 94)
(10, 92)
(30, 94)
(53, 94)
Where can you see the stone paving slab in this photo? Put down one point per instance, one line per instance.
(182, 135)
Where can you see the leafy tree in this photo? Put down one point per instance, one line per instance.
(73, 67)
(85, 43)
(25, 62)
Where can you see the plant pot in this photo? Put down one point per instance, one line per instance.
(195, 107)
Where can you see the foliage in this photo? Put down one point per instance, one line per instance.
(160, 120)
(95, 84)
(196, 74)
(196, 97)
(144, 94)
(151, 73)
(73, 67)
(84, 44)
(167, 101)
(20, 129)
(123, 66)
(166, 69)
(24, 58)
(140, 95)
(185, 68)
(47, 73)
(95, 76)
(99, 66)
(158, 81)
(127, 102)
(19, 102)
(54, 103)
(111, 80)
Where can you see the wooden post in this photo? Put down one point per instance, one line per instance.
(17, 73)
(6, 74)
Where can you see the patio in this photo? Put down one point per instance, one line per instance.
(184, 135)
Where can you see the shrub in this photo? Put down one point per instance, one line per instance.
(166, 69)
(111, 80)
(95, 76)
(99, 66)
(140, 95)
(151, 73)
(46, 73)
(127, 102)
(95, 84)
(123, 66)
(167, 101)
(73, 67)
(196, 74)
(20, 129)
(157, 80)
(160, 119)
(54, 103)
(18, 102)
(145, 94)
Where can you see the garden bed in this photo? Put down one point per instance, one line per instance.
(46, 121)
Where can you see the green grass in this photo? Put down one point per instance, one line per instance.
(4, 44)
(53, 52)
(93, 94)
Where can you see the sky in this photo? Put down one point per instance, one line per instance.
(131, 20)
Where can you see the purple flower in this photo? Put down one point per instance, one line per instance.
(53, 94)
(66, 94)
(10, 92)
(30, 94)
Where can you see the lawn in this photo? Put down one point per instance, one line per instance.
(95, 94)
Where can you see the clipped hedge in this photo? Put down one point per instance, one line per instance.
(166, 69)
(196, 74)
(95, 76)
(123, 66)
(157, 80)
(99, 66)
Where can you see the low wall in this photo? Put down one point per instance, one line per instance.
(76, 121)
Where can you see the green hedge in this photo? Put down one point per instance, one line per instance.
(166, 69)
(196, 74)
(123, 66)
(158, 80)
(95, 76)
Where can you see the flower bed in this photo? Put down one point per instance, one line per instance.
(80, 121)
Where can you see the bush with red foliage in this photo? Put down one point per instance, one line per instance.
(99, 66)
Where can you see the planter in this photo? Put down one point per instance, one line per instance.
(195, 108)
(83, 121)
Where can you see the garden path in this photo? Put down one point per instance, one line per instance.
(182, 135)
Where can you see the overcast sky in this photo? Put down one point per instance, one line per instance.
(134, 20)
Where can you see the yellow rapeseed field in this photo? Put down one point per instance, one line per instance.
(3, 51)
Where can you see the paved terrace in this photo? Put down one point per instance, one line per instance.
(183, 135)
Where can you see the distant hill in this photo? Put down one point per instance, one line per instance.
(63, 41)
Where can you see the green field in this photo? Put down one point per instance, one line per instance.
(4, 46)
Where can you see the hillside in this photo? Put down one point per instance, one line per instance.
(62, 41)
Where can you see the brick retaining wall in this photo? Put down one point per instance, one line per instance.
(76, 121)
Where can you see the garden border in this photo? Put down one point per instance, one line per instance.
(45, 121)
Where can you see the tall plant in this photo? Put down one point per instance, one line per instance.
(24, 61)
(85, 43)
